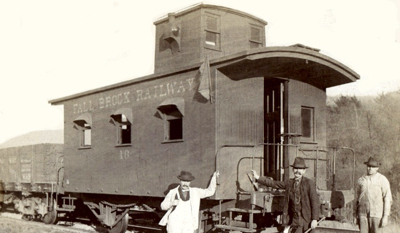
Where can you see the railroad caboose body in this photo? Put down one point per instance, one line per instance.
(218, 100)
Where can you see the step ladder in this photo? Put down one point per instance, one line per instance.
(231, 227)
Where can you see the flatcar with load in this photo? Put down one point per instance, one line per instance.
(219, 99)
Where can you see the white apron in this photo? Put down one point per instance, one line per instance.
(180, 220)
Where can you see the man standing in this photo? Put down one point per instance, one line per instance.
(373, 199)
(183, 204)
(301, 202)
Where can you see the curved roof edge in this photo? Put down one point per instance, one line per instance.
(202, 5)
(292, 55)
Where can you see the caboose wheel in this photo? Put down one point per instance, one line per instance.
(50, 217)
(121, 226)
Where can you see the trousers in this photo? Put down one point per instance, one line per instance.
(368, 224)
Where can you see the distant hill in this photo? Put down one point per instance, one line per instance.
(365, 100)
(36, 137)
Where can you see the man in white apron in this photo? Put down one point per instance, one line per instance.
(183, 204)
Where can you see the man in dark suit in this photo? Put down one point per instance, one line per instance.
(301, 207)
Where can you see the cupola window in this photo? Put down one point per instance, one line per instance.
(255, 37)
(212, 30)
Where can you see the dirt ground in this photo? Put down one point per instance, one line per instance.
(12, 223)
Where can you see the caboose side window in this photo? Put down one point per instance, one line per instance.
(123, 129)
(255, 37)
(84, 126)
(212, 32)
(122, 119)
(173, 125)
(172, 111)
(87, 136)
(307, 123)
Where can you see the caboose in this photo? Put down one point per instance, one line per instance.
(219, 99)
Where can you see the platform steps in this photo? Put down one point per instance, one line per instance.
(68, 204)
(235, 226)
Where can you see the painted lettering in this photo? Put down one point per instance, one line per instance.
(157, 91)
(126, 97)
(124, 154)
(114, 100)
(101, 103)
(181, 88)
(170, 88)
(161, 91)
(75, 108)
(83, 107)
(190, 82)
(139, 95)
(108, 101)
(147, 94)
(87, 107)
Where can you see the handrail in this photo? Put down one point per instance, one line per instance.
(247, 146)
(316, 148)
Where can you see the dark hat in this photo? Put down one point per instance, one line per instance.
(186, 176)
(372, 162)
(299, 163)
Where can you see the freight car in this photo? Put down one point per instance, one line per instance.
(219, 99)
(30, 176)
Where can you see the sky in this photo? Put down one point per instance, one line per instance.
(51, 48)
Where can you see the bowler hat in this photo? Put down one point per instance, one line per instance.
(372, 162)
(299, 163)
(186, 176)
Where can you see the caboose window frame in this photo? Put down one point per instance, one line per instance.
(308, 124)
(84, 126)
(173, 125)
(122, 119)
(212, 31)
(172, 114)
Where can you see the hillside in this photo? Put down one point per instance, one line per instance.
(35, 137)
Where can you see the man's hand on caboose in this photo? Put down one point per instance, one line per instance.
(255, 175)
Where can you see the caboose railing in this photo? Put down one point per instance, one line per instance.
(314, 155)
(253, 200)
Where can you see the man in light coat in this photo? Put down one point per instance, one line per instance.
(374, 199)
(183, 204)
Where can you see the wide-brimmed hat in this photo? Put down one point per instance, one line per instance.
(372, 162)
(186, 176)
(299, 163)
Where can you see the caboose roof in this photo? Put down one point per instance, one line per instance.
(297, 62)
(292, 62)
(201, 5)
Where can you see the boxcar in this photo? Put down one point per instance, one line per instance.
(219, 100)
(30, 176)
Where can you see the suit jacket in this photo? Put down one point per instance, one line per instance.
(309, 199)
